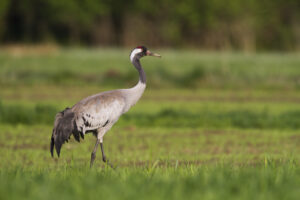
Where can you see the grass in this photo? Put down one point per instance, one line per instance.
(191, 183)
(206, 115)
(176, 69)
(132, 146)
(157, 163)
(209, 126)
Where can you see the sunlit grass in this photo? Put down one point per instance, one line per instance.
(214, 182)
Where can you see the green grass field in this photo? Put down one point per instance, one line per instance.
(209, 126)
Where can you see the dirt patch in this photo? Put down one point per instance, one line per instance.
(139, 148)
(167, 163)
(29, 146)
(295, 139)
(2, 145)
(224, 99)
(215, 132)
(25, 50)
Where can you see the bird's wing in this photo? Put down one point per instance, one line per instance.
(99, 110)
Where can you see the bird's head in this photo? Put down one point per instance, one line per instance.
(141, 51)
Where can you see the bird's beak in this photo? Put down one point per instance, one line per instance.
(149, 53)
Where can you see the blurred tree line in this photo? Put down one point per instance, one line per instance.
(206, 24)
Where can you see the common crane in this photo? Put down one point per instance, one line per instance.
(98, 113)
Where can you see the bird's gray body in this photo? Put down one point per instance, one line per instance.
(99, 112)
(96, 114)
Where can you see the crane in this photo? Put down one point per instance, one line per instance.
(98, 113)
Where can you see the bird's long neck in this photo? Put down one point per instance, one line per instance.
(138, 66)
(132, 95)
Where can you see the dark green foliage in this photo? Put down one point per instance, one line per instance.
(210, 118)
(190, 79)
(213, 24)
(18, 114)
(44, 114)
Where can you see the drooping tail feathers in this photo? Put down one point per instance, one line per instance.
(64, 126)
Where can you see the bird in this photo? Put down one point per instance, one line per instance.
(98, 113)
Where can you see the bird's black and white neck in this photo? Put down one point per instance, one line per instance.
(135, 56)
(132, 95)
(138, 66)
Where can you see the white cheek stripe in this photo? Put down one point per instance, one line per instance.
(134, 52)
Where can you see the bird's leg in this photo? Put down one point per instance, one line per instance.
(93, 155)
(102, 150)
(104, 157)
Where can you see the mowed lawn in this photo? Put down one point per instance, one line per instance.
(209, 126)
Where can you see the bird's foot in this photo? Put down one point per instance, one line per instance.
(108, 163)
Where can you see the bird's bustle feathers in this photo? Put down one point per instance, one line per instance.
(64, 126)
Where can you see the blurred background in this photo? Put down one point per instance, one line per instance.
(226, 88)
(207, 24)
